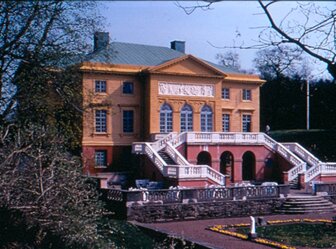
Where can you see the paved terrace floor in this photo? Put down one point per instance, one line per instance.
(195, 231)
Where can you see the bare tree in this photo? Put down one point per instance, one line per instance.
(309, 27)
(315, 34)
(230, 59)
(275, 62)
(42, 181)
(40, 33)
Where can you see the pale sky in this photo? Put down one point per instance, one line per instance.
(160, 22)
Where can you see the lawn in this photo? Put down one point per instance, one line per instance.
(319, 235)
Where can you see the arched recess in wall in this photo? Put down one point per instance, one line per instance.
(166, 118)
(248, 166)
(227, 164)
(204, 157)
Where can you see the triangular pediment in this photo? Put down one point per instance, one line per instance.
(187, 65)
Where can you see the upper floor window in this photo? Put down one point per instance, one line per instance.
(226, 122)
(100, 86)
(128, 121)
(128, 87)
(225, 93)
(247, 94)
(101, 121)
(166, 118)
(101, 158)
(186, 118)
(206, 118)
(246, 123)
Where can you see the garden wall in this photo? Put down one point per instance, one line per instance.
(152, 212)
(201, 203)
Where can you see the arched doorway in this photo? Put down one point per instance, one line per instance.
(204, 157)
(248, 166)
(226, 164)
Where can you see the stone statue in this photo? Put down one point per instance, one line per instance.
(252, 234)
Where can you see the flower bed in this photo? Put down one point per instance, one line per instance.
(230, 230)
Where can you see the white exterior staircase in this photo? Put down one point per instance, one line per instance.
(315, 167)
(293, 153)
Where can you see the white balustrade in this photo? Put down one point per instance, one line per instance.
(154, 156)
(176, 155)
(322, 168)
(303, 153)
(161, 143)
(185, 170)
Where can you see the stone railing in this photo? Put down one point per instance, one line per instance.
(198, 194)
(176, 155)
(287, 151)
(194, 171)
(308, 157)
(253, 139)
(161, 143)
(322, 168)
(329, 188)
(147, 149)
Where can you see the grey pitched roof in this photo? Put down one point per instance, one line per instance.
(224, 68)
(139, 54)
(134, 54)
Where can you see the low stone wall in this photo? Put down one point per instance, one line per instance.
(153, 212)
(198, 203)
(328, 190)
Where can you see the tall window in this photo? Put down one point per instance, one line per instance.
(247, 94)
(246, 123)
(128, 87)
(100, 86)
(100, 158)
(225, 93)
(206, 118)
(186, 118)
(101, 121)
(128, 121)
(226, 122)
(166, 118)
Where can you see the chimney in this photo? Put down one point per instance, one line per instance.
(178, 46)
(100, 40)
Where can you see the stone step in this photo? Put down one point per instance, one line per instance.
(307, 208)
(305, 211)
(306, 204)
(166, 158)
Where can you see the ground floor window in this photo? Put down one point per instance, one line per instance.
(101, 121)
(246, 123)
(128, 121)
(226, 122)
(100, 158)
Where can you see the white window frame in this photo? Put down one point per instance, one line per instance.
(246, 122)
(128, 121)
(100, 158)
(186, 118)
(206, 119)
(226, 122)
(100, 121)
(225, 93)
(100, 86)
(128, 83)
(166, 118)
(247, 95)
